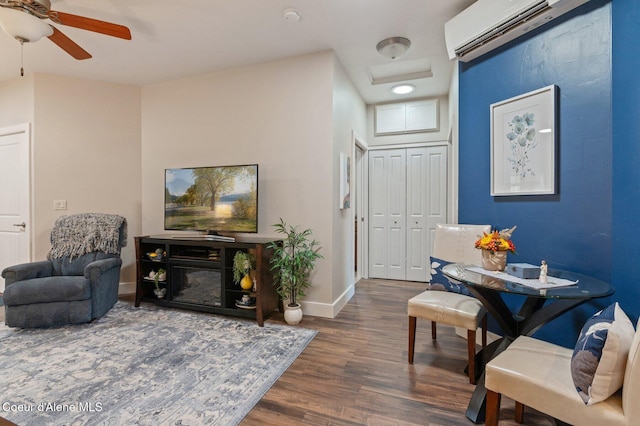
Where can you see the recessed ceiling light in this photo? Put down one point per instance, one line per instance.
(403, 89)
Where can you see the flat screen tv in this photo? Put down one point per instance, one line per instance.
(216, 200)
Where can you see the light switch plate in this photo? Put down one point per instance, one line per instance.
(59, 204)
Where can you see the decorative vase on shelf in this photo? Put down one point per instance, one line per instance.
(160, 292)
(246, 282)
(494, 261)
(243, 263)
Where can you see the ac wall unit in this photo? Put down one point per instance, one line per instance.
(487, 24)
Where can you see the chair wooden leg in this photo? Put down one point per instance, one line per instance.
(471, 349)
(493, 408)
(519, 412)
(412, 337)
(484, 331)
(433, 330)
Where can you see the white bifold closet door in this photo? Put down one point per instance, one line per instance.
(407, 198)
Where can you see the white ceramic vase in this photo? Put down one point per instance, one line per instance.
(293, 314)
(494, 261)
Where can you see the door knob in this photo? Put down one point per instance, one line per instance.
(22, 225)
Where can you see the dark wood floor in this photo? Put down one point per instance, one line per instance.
(355, 371)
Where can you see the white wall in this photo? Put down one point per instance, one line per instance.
(277, 114)
(86, 145)
(104, 147)
(85, 150)
(16, 101)
(349, 115)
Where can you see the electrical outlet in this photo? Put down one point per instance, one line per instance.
(59, 204)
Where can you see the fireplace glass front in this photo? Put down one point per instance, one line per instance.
(200, 286)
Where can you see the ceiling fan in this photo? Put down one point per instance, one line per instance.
(26, 21)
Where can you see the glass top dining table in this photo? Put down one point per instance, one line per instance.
(585, 287)
(540, 305)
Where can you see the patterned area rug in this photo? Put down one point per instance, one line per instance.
(143, 366)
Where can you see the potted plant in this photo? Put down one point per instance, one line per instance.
(242, 266)
(161, 275)
(294, 258)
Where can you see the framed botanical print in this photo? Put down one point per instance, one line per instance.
(523, 144)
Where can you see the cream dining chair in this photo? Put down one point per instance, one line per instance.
(453, 243)
(538, 374)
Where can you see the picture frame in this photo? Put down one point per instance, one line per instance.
(523, 144)
(345, 181)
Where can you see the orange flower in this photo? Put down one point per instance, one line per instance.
(497, 241)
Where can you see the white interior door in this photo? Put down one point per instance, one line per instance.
(438, 192)
(387, 201)
(426, 205)
(378, 237)
(417, 204)
(407, 198)
(396, 219)
(15, 196)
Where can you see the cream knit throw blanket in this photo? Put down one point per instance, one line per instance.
(79, 234)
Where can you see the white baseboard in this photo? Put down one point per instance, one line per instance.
(328, 310)
(127, 288)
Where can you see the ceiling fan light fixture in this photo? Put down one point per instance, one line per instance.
(403, 89)
(22, 26)
(393, 47)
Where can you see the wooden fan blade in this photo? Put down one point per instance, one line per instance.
(90, 24)
(68, 45)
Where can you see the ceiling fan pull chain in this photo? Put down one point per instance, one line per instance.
(21, 58)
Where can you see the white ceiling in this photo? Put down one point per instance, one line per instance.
(175, 39)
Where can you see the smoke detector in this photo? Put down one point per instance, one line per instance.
(291, 15)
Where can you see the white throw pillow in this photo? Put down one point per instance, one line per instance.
(600, 355)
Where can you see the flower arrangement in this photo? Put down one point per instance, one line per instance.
(497, 241)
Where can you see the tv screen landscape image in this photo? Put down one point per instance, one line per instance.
(214, 199)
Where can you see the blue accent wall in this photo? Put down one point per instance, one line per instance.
(625, 265)
(583, 226)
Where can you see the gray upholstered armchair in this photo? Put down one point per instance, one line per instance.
(79, 281)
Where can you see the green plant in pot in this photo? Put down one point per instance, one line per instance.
(242, 265)
(294, 258)
(161, 275)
